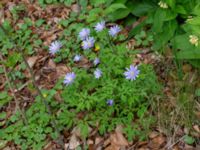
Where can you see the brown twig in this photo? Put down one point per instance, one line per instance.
(13, 93)
(60, 141)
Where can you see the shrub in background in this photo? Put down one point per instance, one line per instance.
(173, 22)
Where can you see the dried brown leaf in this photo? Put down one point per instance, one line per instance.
(51, 64)
(117, 139)
(153, 134)
(73, 142)
(196, 128)
(157, 142)
(98, 140)
(32, 60)
(62, 70)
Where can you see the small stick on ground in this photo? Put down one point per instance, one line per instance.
(171, 146)
(17, 107)
(60, 141)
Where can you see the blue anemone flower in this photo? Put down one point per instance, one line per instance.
(77, 58)
(96, 61)
(88, 43)
(114, 30)
(55, 47)
(84, 33)
(97, 73)
(131, 73)
(69, 78)
(110, 102)
(100, 26)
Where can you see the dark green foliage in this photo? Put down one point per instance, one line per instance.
(83, 104)
(173, 24)
(66, 2)
(88, 95)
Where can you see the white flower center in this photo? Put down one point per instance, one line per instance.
(69, 79)
(132, 73)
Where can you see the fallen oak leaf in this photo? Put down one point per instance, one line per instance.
(62, 70)
(73, 142)
(153, 134)
(196, 128)
(32, 60)
(157, 142)
(117, 139)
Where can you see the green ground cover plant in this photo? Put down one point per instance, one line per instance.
(106, 85)
(110, 91)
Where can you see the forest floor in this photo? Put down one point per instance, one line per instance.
(172, 118)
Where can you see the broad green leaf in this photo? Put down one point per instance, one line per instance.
(186, 49)
(162, 38)
(180, 9)
(196, 10)
(171, 3)
(169, 15)
(158, 22)
(181, 42)
(189, 54)
(119, 14)
(140, 8)
(189, 140)
(194, 21)
(93, 14)
(114, 7)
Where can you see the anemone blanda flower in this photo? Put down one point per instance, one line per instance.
(84, 33)
(114, 30)
(55, 47)
(77, 58)
(88, 43)
(131, 73)
(100, 26)
(96, 61)
(69, 78)
(110, 102)
(97, 73)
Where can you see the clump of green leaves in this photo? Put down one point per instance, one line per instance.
(33, 134)
(4, 98)
(174, 22)
(83, 102)
(88, 95)
(142, 39)
(66, 2)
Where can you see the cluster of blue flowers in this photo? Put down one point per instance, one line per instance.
(88, 42)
